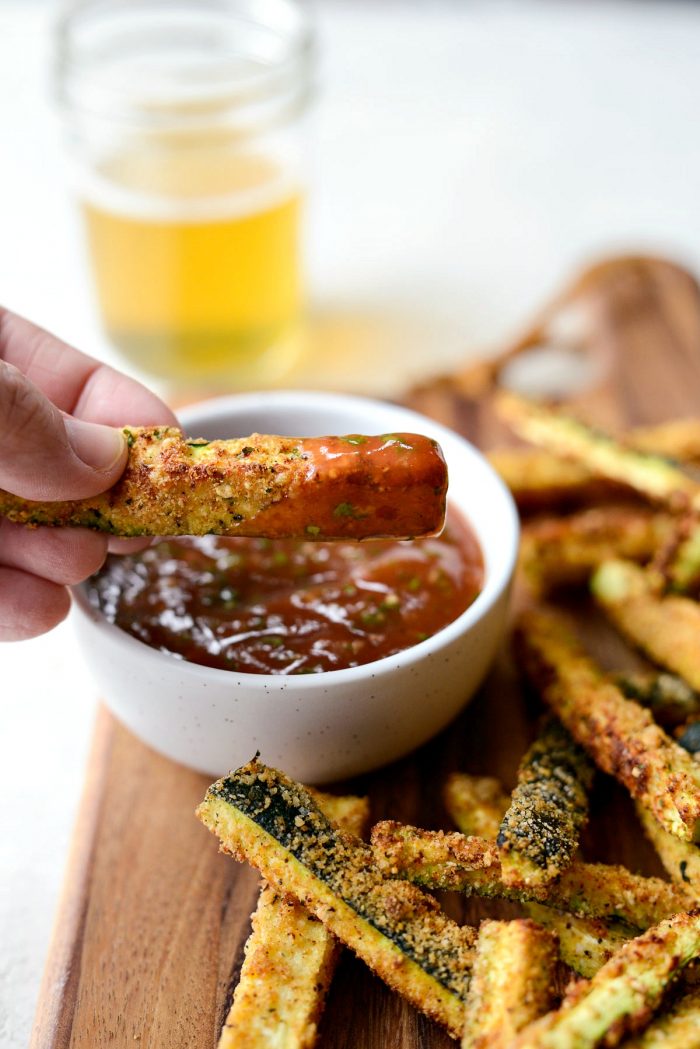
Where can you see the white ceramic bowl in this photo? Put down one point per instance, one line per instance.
(342, 722)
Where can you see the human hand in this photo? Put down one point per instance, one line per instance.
(58, 408)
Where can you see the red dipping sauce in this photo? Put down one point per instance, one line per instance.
(286, 606)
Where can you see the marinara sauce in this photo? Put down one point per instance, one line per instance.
(289, 606)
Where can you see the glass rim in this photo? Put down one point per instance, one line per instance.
(81, 90)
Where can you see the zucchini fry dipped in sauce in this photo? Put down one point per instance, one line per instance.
(651, 476)
(439, 860)
(540, 831)
(477, 804)
(352, 487)
(559, 552)
(665, 628)
(511, 984)
(289, 960)
(619, 734)
(679, 1028)
(623, 995)
(265, 818)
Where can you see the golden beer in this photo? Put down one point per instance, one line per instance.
(198, 270)
(186, 126)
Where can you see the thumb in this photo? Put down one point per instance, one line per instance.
(45, 455)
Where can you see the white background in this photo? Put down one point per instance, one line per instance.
(468, 157)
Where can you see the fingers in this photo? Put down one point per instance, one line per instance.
(76, 383)
(29, 606)
(47, 455)
(59, 555)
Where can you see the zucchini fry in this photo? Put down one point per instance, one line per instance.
(265, 818)
(476, 804)
(680, 858)
(585, 944)
(289, 960)
(439, 860)
(665, 628)
(539, 480)
(511, 985)
(540, 831)
(558, 552)
(623, 995)
(352, 487)
(619, 734)
(679, 1028)
(670, 699)
(652, 476)
(677, 439)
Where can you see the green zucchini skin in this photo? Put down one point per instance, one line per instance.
(549, 807)
(623, 995)
(262, 816)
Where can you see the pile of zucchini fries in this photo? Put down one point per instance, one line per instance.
(629, 941)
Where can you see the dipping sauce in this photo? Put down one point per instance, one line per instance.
(288, 606)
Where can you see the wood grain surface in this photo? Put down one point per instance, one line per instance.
(151, 927)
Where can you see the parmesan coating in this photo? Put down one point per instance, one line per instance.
(540, 831)
(619, 734)
(563, 551)
(623, 996)
(665, 628)
(439, 860)
(653, 476)
(476, 804)
(289, 961)
(511, 984)
(399, 931)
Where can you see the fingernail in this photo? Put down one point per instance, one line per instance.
(100, 447)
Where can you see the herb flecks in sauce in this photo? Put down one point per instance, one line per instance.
(290, 606)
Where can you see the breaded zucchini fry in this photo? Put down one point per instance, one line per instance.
(665, 628)
(677, 439)
(670, 699)
(619, 734)
(352, 487)
(623, 995)
(680, 858)
(651, 475)
(476, 804)
(540, 480)
(289, 960)
(558, 552)
(440, 860)
(540, 831)
(585, 944)
(511, 983)
(679, 1028)
(400, 932)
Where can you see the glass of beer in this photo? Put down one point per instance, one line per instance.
(186, 127)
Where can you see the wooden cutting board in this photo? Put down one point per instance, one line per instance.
(151, 927)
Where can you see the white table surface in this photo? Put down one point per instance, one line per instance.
(468, 157)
